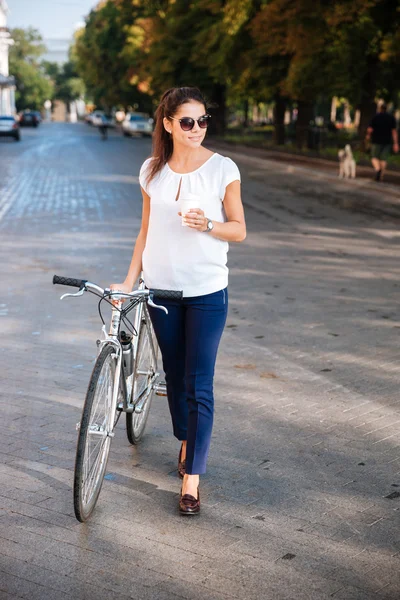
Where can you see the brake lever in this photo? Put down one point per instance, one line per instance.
(80, 293)
(151, 303)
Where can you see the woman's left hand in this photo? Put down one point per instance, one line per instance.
(195, 219)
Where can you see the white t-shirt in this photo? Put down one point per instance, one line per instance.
(181, 258)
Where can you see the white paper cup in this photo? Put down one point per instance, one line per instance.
(187, 202)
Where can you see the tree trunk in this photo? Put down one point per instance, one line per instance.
(246, 114)
(304, 116)
(279, 120)
(367, 110)
(367, 106)
(218, 121)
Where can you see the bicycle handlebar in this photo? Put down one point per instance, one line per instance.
(167, 294)
(69, 281)
(87, 285)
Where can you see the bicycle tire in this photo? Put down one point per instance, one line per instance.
(96, 414)
(144, 370)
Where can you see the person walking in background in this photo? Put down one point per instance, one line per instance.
(185, 248)
(383, 134)
(103, 127)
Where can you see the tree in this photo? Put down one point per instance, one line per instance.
(344, 48)
(268, 71)
(223, 45)
(365, 53)
(104, 49)
(68, 86)
(28, 45)
(289, 51)
(132, 50)
(292, 40)
(176, 56)
(33, 85)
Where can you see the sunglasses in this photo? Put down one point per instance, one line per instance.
(187, 123)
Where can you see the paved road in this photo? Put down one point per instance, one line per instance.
(302, 497)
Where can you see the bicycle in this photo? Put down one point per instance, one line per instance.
(124, 379)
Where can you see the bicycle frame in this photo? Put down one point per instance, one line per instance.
(112, 338)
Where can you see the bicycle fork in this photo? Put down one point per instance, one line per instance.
(106, 430)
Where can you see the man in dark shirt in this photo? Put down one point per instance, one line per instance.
(383, 133)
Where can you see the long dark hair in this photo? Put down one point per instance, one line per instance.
(170, 101)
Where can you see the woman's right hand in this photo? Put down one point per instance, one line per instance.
(120, 287)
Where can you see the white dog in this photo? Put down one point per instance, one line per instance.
(347, 164)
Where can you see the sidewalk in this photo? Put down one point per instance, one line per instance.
(361, 194)
(319, 162)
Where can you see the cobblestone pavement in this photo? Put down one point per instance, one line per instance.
(302, 496)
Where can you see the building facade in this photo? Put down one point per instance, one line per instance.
(57, 50)
(7, 81)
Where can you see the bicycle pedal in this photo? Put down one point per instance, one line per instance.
(160, 389)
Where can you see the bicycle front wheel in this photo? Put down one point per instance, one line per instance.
(143, 381)
(97, 422)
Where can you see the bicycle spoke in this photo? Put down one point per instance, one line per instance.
(95, 431)
(92, 474)
(144, 372)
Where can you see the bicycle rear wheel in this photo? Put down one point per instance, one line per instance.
(94, 439)
(144, 376)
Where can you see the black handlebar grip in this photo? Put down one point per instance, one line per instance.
(69, 281)
(167, 294)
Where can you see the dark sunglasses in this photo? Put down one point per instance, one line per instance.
(187, 123)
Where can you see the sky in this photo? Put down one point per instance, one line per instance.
(53, 18)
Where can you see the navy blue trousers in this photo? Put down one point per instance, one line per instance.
(189, 337)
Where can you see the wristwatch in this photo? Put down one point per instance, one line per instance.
(210, 226)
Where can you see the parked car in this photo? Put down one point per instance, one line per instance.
(96, 118)
(29, 117)
(9, 127)
(137, 124)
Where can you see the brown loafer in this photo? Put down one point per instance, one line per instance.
(181, 465)
(188, 504)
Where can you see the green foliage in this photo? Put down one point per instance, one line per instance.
(363, 54)
(346, 48)
(106, 52)
(177, 48)
(33, 85)
(294, 51)
(68, 86)
(28, 46)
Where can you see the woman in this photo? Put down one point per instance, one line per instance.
(190, 258)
